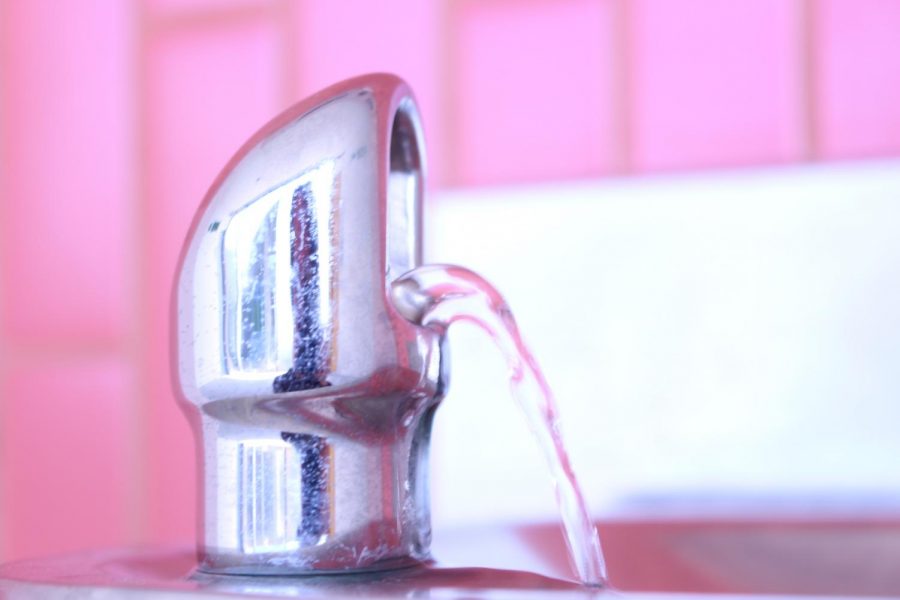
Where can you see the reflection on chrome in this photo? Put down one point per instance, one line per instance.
(267, 262)
(269, 495)
(311, 396)
(283, 493)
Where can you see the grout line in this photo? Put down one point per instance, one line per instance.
(4, 351)
(286, 13)
(446, 86)
(137, 351)
(808, 39)
(203, 18)
(622, 92)
(64, 351)
(135, 493)
(435, 170)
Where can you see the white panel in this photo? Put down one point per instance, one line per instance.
(730, 337)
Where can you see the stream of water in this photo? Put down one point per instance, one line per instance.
(436, 296)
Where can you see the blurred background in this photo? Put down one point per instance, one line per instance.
(692, 204)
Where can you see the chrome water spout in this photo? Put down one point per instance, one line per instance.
(311, 397)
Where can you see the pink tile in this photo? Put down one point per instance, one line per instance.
(66, 144)
(532, 94)
(858, 77)
(714, 83)
(344, 38)
(207, 92)
(65, 452)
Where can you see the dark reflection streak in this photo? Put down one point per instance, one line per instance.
(310, 341)
(315, 517)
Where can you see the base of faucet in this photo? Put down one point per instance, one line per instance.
(279, 566)
(314, 500)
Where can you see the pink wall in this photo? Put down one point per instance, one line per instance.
(115, 116)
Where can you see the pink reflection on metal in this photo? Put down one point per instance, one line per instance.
(859, 77)
(207, 92)
(64, 135)
(715, 83)
(533, 94)
(64, 456)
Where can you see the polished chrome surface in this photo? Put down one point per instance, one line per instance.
(311, 397)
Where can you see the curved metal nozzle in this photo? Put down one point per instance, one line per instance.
(311, 396)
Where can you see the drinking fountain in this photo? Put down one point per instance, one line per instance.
(305, 363)
(312, 397)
